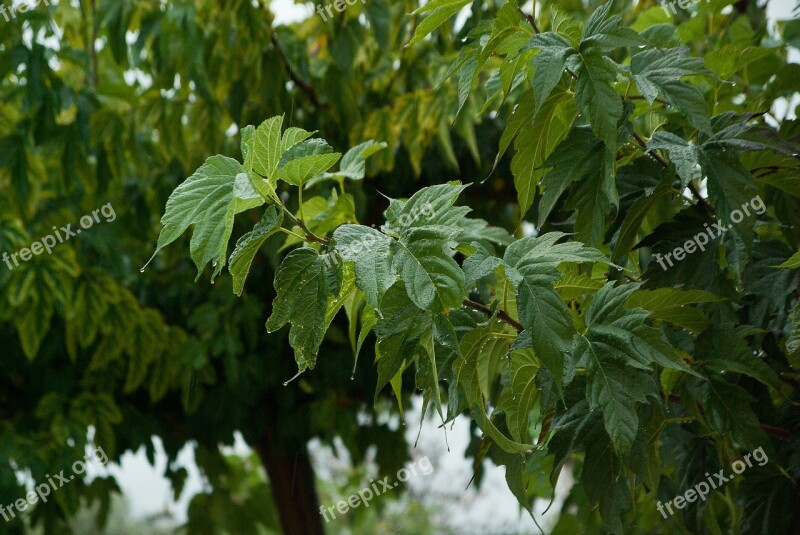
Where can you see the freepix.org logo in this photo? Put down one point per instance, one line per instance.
(9, 13)
(47, 243)
(52, 484)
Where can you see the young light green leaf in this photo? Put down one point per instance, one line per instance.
(671, 305)
(791, 263)
(521, 394)
(482, 344)
(354, 161)
(305, 160)
(266, 149)
(439, 11)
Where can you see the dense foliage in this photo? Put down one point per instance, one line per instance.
(565, 302)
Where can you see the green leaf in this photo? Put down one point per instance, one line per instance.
(658, 70)
(544, 314)
(617, 390)
(439, 11)
(305, 161)
(266, 149)
(424, 262)
(370, 250)
(304, 286)
(618, 350)
(531, 267)
(479, 230)
(432, 208)
(583, 159)
(479, 347)
(671, 305)
(536, 139)
(549, 63)
(209, 200)
(684, 154)
(636, 214)
(480, 264)
(791, 263)
(354, 161)
(572, 286)
(263, 148)
(249, 244)
(606, 33)
(521, 393)
(536, 258)
(793, 339)
(348, 288)
(722, 350)
(730, 184)
(596, 96)
(400, 331)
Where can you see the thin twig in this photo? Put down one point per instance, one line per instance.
(640, 97)
(530, 20)
(501, 314)
(304, 86)
(301, 224)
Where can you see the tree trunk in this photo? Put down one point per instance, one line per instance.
(291, 478)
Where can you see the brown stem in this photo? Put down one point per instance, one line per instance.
(309, 234)
(530, 20)
(304, 86)
(501, 314)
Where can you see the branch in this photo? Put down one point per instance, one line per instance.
(501, 314)
(530, 20)
(304, 86)
(300, 223)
